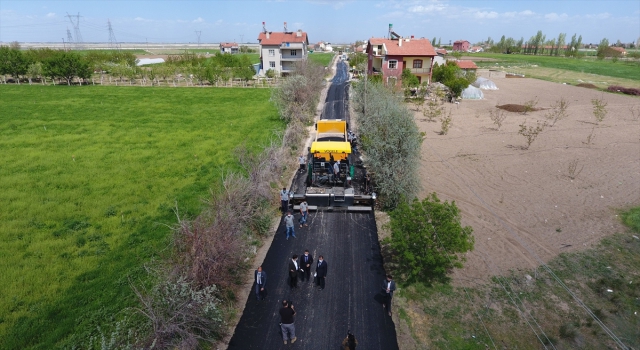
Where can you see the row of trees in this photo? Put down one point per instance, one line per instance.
(427, 237)
(40, 64)
(539, 45)
(57, 64)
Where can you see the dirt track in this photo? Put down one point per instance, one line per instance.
(523, 204)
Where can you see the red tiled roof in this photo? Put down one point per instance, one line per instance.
(277, 38)
(412, 47)
(466, 65)
(460, 41)
(228, 44)
(442, 51)
(619, 49)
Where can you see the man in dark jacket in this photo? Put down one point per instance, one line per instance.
(388, 286)
(306, 261)
(294, 267)
(261, 282)
(321, 271)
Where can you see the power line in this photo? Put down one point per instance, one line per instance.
(76, 29)
(536, 256)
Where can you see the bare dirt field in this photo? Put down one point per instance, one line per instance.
(523, 204)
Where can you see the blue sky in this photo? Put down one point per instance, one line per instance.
(332, 21)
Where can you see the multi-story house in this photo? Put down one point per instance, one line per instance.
(388, 57)
(461, 45)
(280, 51)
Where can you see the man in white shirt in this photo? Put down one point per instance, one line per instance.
(284, 200)
(303, 163)
(304, 212)
(293, 271)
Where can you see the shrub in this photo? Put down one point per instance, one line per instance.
(181, 315)
(427, 238)
(452, 76)
(530, 132)
(445, 123)
(530, 106)
(298, 95)
(558, 111)
(599, 109)
(435, 106)
(567, 332)
(497, 117)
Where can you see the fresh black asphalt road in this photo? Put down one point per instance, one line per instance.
(336, 104)
(351, 299)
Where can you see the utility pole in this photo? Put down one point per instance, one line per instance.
(113, 43)
(76, 29)
(69, 37)
(64, 45)
(198, 35)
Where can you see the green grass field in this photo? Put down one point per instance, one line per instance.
(90, 176)
(322, 58)
(621, 69)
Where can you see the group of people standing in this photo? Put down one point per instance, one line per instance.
(301, 267)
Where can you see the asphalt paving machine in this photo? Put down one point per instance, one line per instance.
(334, 175)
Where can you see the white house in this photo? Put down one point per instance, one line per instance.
(279, 51)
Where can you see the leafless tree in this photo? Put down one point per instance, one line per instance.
(558, 111)
(497, 117)
(531, 132)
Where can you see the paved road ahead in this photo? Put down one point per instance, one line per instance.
(349, 243)
(336, 103)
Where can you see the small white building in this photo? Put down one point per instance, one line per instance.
(231, 48)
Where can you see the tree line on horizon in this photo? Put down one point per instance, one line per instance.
(538, 44)
(67, 66)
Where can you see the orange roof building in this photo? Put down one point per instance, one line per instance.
(279, 51)
(466, 65)
(388, 57)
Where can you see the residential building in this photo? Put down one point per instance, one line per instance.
(476, 49)
(232, 48)
(280, 51)
(388, 57)
(461, 45)
(466, 66)
(617, 51)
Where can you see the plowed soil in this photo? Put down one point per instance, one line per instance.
(528, 206)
